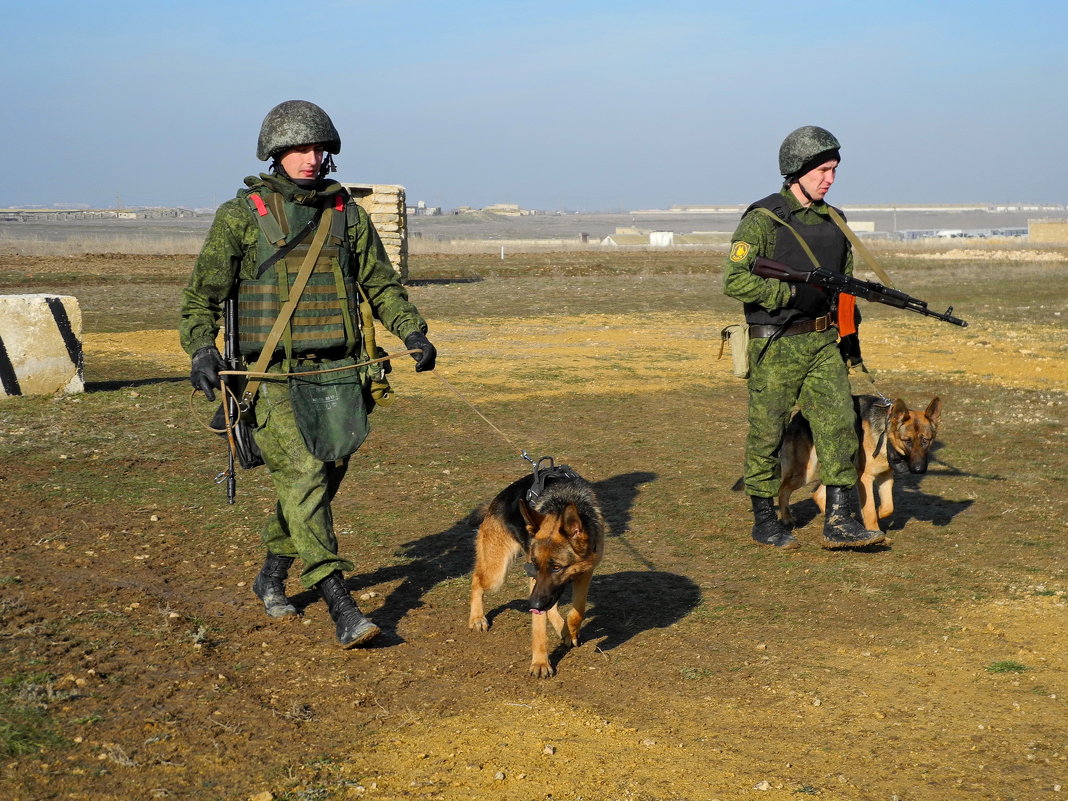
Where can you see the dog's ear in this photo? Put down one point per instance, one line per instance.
(899, 412)
(530, 515)
(572, 527)
(934, 411)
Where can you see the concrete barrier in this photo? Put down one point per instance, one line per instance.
(40, 345)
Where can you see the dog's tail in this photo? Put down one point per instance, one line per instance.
(477, 515)
(737, 485)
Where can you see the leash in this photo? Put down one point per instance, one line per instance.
(473, 408)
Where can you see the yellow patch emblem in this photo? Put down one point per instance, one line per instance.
(739, 251)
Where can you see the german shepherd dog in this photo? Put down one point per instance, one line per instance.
(893, 438)
(561, 531)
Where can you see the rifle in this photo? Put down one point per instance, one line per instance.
(241, 447)
(838, 282)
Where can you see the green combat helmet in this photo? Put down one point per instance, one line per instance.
(295, 123)
(801, 147)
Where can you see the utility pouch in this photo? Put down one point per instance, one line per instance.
(329, 408)
(376, 388)
(737, 336)
(375, 384)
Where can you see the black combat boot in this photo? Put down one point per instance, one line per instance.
(352, 627)
(767, 529)
(270, 586)
(841, 529)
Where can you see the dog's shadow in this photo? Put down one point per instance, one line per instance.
(910, 501)
(635, 601)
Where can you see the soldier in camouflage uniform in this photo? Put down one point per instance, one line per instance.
(300, 139)
(793, 353)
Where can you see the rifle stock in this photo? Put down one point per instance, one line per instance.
(838, 282)
(231, 358)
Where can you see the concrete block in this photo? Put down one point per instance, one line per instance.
(40, 345)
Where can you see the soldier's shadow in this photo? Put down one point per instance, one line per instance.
(450, 554)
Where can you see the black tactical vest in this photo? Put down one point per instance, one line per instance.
(827, 243)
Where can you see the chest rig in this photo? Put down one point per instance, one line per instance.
(798, 244)
(324, 321)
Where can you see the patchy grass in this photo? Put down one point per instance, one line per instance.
(121, 565)
(1006, 666)
(26, 726)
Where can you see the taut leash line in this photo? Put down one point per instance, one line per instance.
(472, 407)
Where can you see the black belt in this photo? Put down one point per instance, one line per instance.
(819, 324)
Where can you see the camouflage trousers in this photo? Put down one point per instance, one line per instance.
(806, 370)
(303, 523)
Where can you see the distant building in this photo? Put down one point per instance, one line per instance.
(1048, 231)
(421, 209)
(507, 209)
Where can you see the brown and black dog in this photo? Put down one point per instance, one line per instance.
(561, 531)
(893, 438)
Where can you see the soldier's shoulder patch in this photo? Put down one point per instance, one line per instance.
(739, 250)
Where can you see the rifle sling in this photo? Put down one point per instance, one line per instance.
(859, 246)
(286, 312)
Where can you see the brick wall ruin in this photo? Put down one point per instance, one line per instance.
(385, 203)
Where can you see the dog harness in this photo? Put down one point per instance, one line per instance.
(542, 475)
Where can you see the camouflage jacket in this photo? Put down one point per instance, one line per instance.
(755, 236)
(229, 254)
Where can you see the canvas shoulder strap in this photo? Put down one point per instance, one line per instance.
(859, 246)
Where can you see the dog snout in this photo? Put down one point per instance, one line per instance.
(542, 599)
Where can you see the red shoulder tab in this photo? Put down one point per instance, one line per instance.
(261, 207)
(339, 203)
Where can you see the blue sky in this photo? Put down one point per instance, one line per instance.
(552, 105)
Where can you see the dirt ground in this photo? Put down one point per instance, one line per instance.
(934, 668)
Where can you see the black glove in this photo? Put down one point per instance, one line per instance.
(417, 341)
(205, 373)
(808, 299)
(849, 347)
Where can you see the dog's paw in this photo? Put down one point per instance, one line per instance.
(541, 670)
(478, 624)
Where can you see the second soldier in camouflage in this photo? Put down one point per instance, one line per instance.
(793, 351)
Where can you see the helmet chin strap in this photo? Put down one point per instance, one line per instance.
(795, 179)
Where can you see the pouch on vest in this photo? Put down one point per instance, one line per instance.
(737, 336)
(329, 408)
(375, 383)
